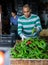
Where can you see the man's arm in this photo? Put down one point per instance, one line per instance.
(38, 27)
(38, 24)
(20, 29)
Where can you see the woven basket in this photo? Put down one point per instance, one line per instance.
(28, 62)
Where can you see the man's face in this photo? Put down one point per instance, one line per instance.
(26, 12)
(13, 14)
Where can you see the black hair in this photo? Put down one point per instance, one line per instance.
(14, 11)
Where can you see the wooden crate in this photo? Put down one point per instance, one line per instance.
(28, 62)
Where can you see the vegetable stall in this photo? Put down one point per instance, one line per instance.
(30, 48)
(31, 51)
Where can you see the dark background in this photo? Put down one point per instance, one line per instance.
(37, 6)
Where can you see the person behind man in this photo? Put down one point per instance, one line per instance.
(27, 22)
(14, 22)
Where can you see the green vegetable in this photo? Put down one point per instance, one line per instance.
(35, 49)
(34, 30)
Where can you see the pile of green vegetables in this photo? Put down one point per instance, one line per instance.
(30, 49)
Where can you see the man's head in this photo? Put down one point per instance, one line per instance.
(26, 10)
(14, 13)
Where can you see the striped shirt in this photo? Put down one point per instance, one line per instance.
(25, 25)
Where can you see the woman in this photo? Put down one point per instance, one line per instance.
(14, 23)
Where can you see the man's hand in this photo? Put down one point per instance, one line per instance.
(23, 37)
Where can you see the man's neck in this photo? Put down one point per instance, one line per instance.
(28, 16)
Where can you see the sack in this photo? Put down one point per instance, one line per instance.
(44, 32)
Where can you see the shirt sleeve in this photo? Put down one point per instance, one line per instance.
(20, 28)
(38, 24)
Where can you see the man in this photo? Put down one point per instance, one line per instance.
(14, 22)
(27, 22)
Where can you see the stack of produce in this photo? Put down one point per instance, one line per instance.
(30, 49)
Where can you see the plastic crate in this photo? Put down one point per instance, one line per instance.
(7, 40)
